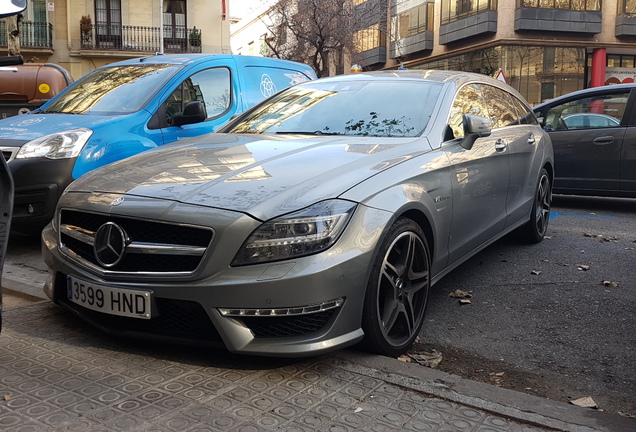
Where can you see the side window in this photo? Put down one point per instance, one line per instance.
(592, 112)
(212, 87)
(263, 82)
(526, 116)
(468, 100)
(502, 112)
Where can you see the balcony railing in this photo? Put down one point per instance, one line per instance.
(32, 34)
(136, 38)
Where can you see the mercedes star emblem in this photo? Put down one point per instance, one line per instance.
(110, 244)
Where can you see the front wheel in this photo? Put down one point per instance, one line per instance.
(535, 229)
(397, 291)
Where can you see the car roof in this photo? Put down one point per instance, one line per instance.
(188, 59)
(591, 90)
(458, 78)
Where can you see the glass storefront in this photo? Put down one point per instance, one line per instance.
(538, 73)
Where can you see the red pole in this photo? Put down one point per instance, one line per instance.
(599, 60)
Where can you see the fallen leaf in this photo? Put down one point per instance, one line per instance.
(583, 267)
(536, 272)
(405, 358)
(461, 294)
(585, 402)
(609, 284)
(430, 359)
(588, 235)
(357, 410)
(452, 328)
(464, 301)
(7, 397)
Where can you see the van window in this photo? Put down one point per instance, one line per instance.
(113, 90)
(263, 82)
(210, 86)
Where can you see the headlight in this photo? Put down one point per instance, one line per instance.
(306, 232)
(59, 145)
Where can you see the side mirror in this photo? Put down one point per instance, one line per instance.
(12, 7)
(474, 127)
(194, 112)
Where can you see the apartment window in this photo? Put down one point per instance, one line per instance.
(108, 23)
(579, 5)
(174, 24)
(412, 21)
(368, 39)
(453, 10)
(627, 7)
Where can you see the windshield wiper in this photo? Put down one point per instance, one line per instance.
(306, 133)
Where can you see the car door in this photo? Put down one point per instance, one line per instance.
(627, 180)
(212, 87)
(479, 178)
(587, 153)
(517, 126)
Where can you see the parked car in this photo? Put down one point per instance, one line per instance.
(28, 86)
(316, 220)
(125, 108)
(6, 182)
(592, 131)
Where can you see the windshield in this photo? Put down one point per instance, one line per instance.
(113, 90)
(382, 108)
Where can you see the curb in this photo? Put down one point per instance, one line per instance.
(26, 286)
(481, 396)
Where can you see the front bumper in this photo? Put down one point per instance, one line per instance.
(39, 182)
(191, 310)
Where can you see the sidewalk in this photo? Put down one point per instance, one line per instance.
(56, 373)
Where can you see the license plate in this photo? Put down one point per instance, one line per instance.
(113, 301)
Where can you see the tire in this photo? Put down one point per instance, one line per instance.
(535, 229)
(397, 291)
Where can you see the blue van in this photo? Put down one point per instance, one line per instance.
(124, 108)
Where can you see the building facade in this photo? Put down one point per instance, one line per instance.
(81, 35)
(543, 48)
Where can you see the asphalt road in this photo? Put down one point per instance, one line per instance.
(540, 318)
(557, 318)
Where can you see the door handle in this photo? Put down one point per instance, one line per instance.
(604, 140)
(500, 144)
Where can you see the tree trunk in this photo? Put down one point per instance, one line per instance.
(13, 34)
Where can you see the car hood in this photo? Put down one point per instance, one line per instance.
(28, 127)
(261, 175)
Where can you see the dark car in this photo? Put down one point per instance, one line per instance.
(6, 181)
(316, 220)
(593, 133)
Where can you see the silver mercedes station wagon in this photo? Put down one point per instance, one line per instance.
(317, 220)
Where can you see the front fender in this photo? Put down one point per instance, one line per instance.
(108, 145)
(420, 189)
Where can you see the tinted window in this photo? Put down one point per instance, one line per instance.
(363, 108)
(600, 111)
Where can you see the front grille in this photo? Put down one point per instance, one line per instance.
(141, 255)
(286, 326)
